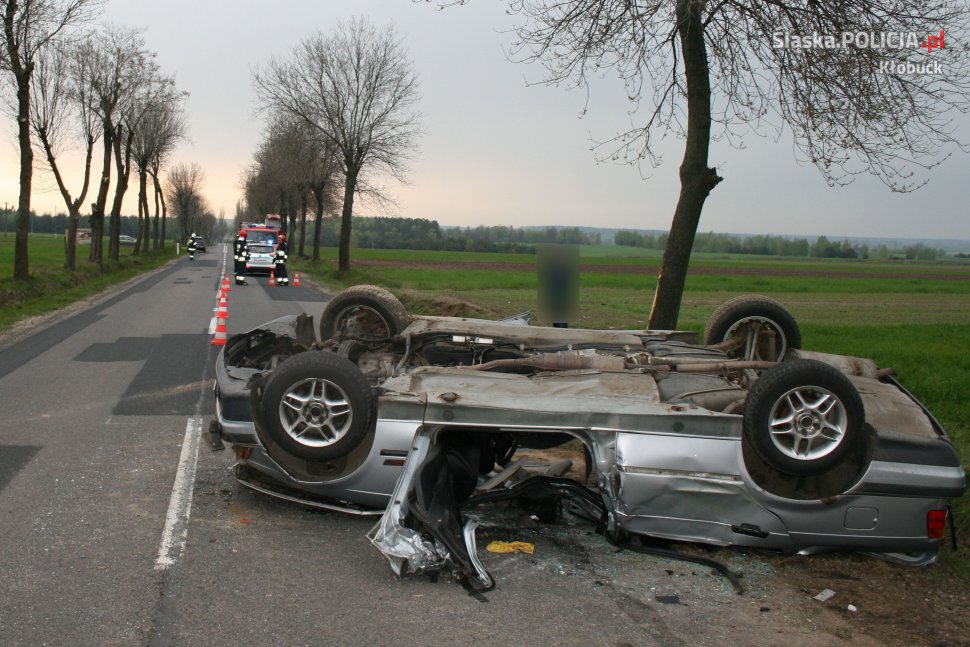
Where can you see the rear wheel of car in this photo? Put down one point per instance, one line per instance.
(767, 328)
(317, 406)
(803, 417)
(363, 312)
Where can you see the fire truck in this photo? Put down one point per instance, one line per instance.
(262, 239)
(264, 233)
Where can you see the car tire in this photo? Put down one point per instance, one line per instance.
(767, 316)
(317, 406)
(804, 417)
(363, 312)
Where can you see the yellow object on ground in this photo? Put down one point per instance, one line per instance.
(511, 547)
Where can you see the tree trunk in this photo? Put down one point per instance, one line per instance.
(303, 210)
(161, 196)
(70, 236)
(317, 222)
(74, 207)
(144, 219)
(123, 166)
(291, 210)
(97, 211)
(21, 265)
(284, 221)
(147, 224)
(156, 243)
(346, 218)
(696, 178)
(70, 252)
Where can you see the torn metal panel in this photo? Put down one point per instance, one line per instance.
(404, 547)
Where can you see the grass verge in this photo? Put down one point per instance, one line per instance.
(52, 287)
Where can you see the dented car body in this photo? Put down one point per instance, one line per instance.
(745, 440)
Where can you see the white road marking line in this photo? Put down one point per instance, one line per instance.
(180, 505)
(212, 325)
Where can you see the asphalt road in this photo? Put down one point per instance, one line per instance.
(117, 527)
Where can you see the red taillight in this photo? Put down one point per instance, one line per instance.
(935, 523)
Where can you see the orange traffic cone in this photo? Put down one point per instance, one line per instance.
(222, 312)
(225, 283)
(272, 278)
(296, 280)
(220, 337)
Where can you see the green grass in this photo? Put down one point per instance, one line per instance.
(52, 287)
(914, 317)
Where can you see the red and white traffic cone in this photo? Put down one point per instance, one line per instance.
(222, 312)
(225, 283)
(222, 315)
(220, 336)
(296, 280)
(272, 278)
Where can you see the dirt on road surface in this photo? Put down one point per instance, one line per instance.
(874, 602)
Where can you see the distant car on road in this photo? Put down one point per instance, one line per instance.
(199, 245)
(126, 241)
(261, 258)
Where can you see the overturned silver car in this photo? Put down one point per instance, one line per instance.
(744, 440)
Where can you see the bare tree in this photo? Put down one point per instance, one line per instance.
(28, 27)
(60, 114)
(281, 167)
(155, 123)
(323, 177)
(703, 68)
(185, 184)
(121, 67)
(293, 163)
(162, 125)
(148, 92)
(356, 89)
(161, 215)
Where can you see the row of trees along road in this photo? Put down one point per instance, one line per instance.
(75, 88)
(346, 102)
(292, 171)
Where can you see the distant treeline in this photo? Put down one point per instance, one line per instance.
(781, 246)
(47, 224)
(419, 233)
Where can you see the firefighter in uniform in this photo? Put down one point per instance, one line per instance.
(191, 247)
(240, 254)
(281, 276)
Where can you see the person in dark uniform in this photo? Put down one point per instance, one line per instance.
(282, 278)
(191, 247)
(240, 254)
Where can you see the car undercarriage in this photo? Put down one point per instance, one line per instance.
(744, 440)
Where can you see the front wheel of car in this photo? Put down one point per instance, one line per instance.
(317, 406)
(803, 417)
(363, 312)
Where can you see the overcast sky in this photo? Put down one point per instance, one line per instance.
(497, 150)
